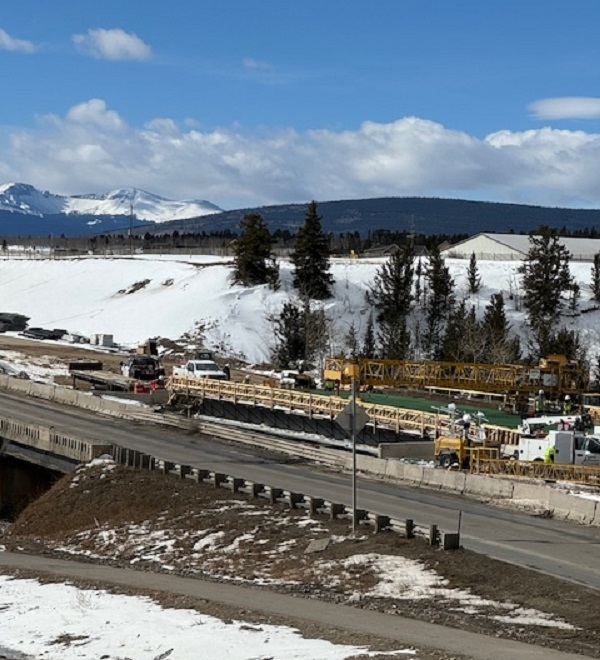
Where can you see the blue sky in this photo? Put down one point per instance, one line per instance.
(247, 102)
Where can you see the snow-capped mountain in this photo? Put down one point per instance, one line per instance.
(25, 199)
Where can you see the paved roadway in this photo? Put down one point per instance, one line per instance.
(562, 549)
(388, 626)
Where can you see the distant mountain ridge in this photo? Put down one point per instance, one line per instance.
(25, 210)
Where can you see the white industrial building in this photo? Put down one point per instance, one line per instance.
(514, 247)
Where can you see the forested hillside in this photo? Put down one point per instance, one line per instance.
(412, 214)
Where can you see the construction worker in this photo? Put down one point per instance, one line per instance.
(539, 403)
(549, 455)
(466, 422)
(567, 407)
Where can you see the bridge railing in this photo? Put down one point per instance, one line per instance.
(296, 401)
(47, 440)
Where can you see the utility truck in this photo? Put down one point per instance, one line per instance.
(576, 449)
(200, 369)
(462, 440)
(540, 425)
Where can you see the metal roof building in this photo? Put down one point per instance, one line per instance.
(514, 247)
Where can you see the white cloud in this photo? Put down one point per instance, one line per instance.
(20, 45)
(94, 112)
(113, 44)
(567, 107)
(92, 149)
(251, 64)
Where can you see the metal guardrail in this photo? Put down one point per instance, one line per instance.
(581, 474)
(294, 401)
(293, 500)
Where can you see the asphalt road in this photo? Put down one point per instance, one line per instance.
(387, 626)
(561, 549)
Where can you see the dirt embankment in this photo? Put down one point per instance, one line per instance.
(116, 515)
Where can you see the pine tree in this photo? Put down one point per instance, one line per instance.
(546, 280)
(473, 277)
(501, 346)
(391, 294)
(290, 337)
(464, 340)
(311, 258)
(316, 329)
(453, 347)
(351, 341)
(595, 284)
(418, 287)
(368, 347)
(439, 303)
(253, 263)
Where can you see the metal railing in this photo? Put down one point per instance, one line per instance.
(294, 401)
(581, 474)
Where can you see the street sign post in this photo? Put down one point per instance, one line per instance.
(353, 419)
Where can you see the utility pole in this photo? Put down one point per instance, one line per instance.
(353, 440)
(131, 228)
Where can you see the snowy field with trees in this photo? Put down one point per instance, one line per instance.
(302, 309)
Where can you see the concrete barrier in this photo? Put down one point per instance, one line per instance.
(421, 450)
(526, 492)
(371, 465)
(572, 507)
(395, 470)
(414, 474)
(452, 480)
(483, 486)
(432, 478)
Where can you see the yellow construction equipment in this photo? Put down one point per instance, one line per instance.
(555, 375)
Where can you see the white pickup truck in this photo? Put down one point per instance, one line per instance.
(200, 369)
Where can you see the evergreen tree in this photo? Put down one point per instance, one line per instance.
(595, 284)
(464, 340)
(574, 297)
(454, 345)
(253, 263)
(568, 343)
(546, 280)
(311, 258)
(473, 277)
(316, 328)
(391, 294)
(290, 337)
(351, 341)
(595, 375)
(439, 303)
(501, 346)
(418, 287)
(368, 347)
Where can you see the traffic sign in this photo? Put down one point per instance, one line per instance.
(344, 418)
